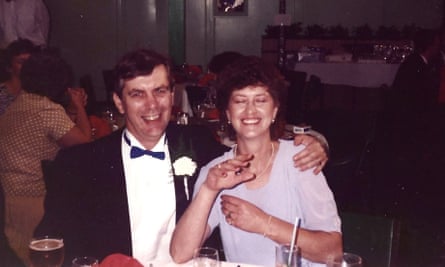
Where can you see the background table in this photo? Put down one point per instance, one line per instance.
(355, 74)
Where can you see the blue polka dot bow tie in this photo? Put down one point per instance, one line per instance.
(137, 152)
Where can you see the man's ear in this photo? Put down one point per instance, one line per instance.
(118, 103)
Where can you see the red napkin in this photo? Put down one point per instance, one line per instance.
(120, 260)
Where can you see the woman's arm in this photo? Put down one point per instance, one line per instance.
(192, 229)
(81, 132)
(317, 246)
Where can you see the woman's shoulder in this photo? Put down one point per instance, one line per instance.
(288, 147)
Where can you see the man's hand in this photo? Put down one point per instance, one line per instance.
(314, 155)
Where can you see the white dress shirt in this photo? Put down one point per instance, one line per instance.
(27, 19)
(151, 201)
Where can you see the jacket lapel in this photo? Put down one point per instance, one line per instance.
(180, 146)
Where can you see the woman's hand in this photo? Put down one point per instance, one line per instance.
(244, 215)
(229, 173)
(78, 97)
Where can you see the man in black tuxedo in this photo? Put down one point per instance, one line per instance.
(110, 197)
(416, 83)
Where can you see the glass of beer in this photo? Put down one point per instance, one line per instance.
(46, 251)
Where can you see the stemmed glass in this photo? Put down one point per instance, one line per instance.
(206, 257)
(46, 251)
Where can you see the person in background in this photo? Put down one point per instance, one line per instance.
(23, 19)
(15, 55)
(34, 128)
(99, 126)
(416, 83)
(216, 65)
(7, 255)
(124, 193)
(253, 192)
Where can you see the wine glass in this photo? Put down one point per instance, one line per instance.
(206, 257)
(346, 260)
(85, 262)
(46, 251)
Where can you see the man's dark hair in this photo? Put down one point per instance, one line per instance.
(423, 39)
(139, 63)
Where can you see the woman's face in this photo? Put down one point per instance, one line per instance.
(251, 111)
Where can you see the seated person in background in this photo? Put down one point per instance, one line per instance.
(216, 65)
(253, 192)
(15, 55)
(417, 80)
(111, 196)
(7, 255)
(99, 126)
(33, 128)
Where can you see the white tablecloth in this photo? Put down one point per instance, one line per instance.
(181, 99)
(223, 264)
(354, 74)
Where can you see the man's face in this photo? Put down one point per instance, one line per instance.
(146, 103)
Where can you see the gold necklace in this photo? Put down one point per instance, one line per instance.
(268, 161)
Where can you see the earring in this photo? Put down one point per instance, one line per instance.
(273, 120)
(229, 122)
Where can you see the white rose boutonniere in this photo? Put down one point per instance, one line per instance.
(186, 167)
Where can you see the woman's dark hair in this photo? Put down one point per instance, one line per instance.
(139, 63)
(252, 71)
(47, 74)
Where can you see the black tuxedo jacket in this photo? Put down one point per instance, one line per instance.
(416, 84)
(86, 201)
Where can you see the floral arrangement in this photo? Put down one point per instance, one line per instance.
(186, 167)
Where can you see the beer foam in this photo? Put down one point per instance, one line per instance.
(46, 244)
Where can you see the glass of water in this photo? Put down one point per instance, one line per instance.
(206, 257)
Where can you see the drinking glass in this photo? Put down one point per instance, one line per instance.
(282, 256)
(346, 260)
(46, 251)
(206, 257)
(85, 262)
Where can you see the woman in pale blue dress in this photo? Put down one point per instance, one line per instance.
(254, 192)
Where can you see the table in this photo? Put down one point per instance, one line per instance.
(223, 264)
(370, 75)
